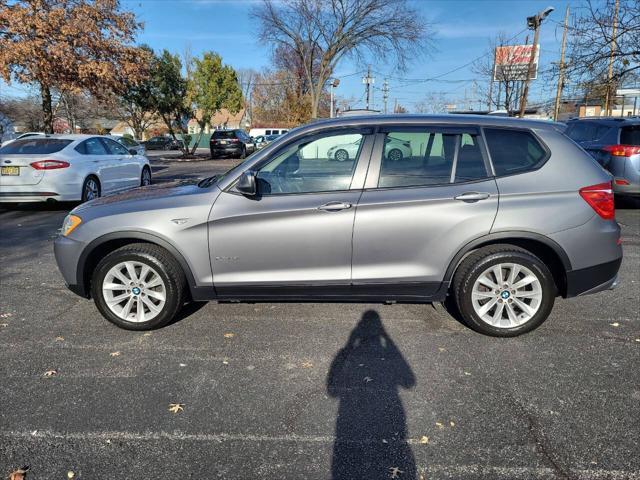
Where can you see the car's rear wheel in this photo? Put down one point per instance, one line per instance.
(395, 155)
(145, 178)
(503, 291)
(90, 188)
(341, 155)
(138, 287)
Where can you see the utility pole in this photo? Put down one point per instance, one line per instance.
(533, 23)
(334, 84)
(395, 106)
(607, 99)
(556, 108)
(385, 93)
(493, 75)
(368, 81)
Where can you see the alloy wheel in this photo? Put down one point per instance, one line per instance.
(506, 295)
(91, 189)
(134, 291)
(146, 177)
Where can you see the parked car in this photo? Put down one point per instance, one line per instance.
(496, 217)
(231, 143)
(163, 143)
(68, 168)
(23, 135)
(394, 149)
(130, 144)
(255, 132)
(262, 141)
(615, 144)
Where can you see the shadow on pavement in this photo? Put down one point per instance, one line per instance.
(371, 430)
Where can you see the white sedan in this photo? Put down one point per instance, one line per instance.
(394, 149)
(68, 168)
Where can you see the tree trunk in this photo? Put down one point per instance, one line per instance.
(47, 114)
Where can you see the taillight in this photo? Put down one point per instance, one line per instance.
(600, 198)
(49, 164)
(622, 150)
(621, 181)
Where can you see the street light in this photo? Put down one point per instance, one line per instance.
(533, 23)
(334, 84)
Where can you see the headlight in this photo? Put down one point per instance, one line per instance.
(69, 225)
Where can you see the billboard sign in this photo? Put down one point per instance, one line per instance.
(512, 63)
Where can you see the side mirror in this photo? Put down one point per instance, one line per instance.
(132, 151)
(247, 184)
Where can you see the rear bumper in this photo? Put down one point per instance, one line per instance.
(26, 196)
(593, 279)
(234, 149)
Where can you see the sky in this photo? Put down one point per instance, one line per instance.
(461, 31)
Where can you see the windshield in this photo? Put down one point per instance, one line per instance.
(224, 134)
(35, 146)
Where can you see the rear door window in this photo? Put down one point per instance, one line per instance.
(423, 158)
(92, 146)
(114, 147)
(34, 146)
(630, 135)
(514, 151)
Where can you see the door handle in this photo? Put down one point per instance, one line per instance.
(334, 206)
(472, 196)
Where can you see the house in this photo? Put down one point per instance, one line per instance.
(222, 119)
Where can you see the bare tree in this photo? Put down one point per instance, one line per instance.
(503, 93)
(323, 32)
(595, 46)
(433, 103)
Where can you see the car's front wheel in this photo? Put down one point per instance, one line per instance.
(138, 287)
(503, 291)
(145, 178)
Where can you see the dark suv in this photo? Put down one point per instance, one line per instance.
(163, 143)
(615, 144)
(231, 143)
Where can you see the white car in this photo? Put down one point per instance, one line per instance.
(68, 168)
(394, 149)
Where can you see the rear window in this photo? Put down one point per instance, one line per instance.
(630, 135)
(35, 146)
(587, 131)
(224, 134)
(513, 151)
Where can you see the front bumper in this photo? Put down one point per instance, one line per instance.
(597, 278)
(67, 252)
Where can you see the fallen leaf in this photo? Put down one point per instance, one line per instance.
(229, 335)
(224, 362)
(439, 425)
(50, 373)
(367, 379)
(148, 334)
(176, 407)
(183, 364)
(307, 365)
(615, 324)
(384, 441)
(4, 325)
(467, 373)
(637, 339)
(70, 474)
(115, 354)
(59, 339)
(424, 439)
(6, 315)
(452, 423)
(19, 473)
(441, 349)
(394, 472)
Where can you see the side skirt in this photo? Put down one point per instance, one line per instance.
(414, 292)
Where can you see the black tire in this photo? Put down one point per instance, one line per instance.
(86, 188)
(397, 153)
(145, 169)
(341, 155)
(163, 263)
(478, 262)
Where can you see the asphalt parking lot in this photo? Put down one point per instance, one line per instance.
(292, 391)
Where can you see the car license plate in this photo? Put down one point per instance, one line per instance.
(223, 142)
(11, 171)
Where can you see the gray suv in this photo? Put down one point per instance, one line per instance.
(495, 216)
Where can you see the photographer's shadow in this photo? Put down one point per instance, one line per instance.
(371, 431)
